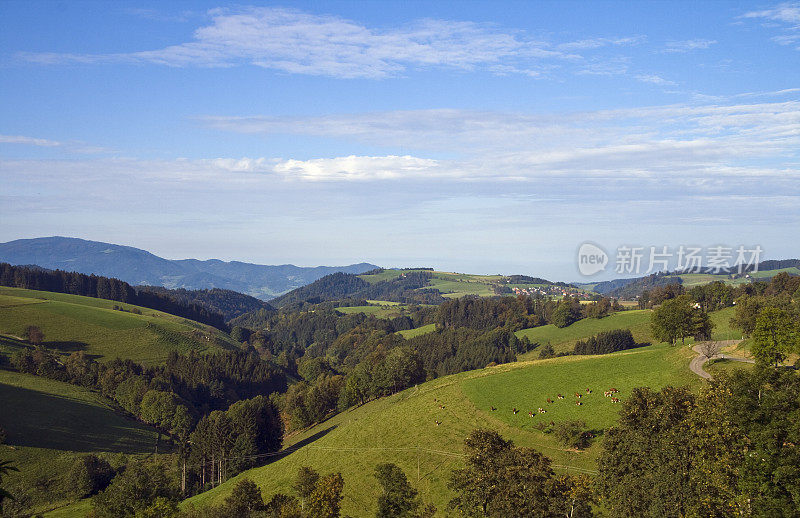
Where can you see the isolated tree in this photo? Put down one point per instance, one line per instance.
(33, 335)
(710, 348)
(244, 500)
(774, 336)
(398, 499)
(573, 434)
(134, 491)
(702, 326)
(567, 312)
(673, 320)
(645, 465)
(305, 482)
(546, 351)
(502, 480)
(326, 499)
(88, 475)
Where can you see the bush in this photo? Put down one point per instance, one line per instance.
(607, 342)
(135, 490)
(88, 475)
(573, 434)
(547, 351)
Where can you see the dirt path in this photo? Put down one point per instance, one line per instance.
(696, 365)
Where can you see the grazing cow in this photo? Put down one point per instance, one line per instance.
(493, 409)
(579, 403)
(615, 400)
(438, 423)
(542, 411)
(515, 411)
(588, 391)
(530, 414)
(549, 400)
(560, 396)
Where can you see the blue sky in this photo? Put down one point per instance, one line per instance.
(484, 137)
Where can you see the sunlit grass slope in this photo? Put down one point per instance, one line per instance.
(392, 429)
(563, 339)
(48, 424)
(72, 322)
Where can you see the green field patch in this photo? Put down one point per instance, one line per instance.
(378, 311)
(455, 285)
(385, 275)
(722, 325)
(403, 428)
(71, 323)
(528, 389)
(50, 424)
(43, 413)
(563, 339)
(720, 365)
(418, 331)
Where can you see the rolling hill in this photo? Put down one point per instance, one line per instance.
(402, 428)
(72, 322)
(137, 267)
(49, 425)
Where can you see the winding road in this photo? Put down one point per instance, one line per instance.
(696, 365)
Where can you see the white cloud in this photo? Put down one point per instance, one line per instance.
(360, 168)
(297, 42)
(688, 45)
(654, 79)
(30, 141)
(785, 17)
(788, 13)
(70, 146)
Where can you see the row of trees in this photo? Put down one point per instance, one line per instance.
(34, 278)
(732, 450)
(213, 406)
(680, 318)
(607, 342)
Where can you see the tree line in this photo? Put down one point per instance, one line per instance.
(35, 278)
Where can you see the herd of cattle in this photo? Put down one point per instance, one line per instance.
(578, 396)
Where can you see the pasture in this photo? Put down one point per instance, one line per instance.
(71, 323)
(50, 423)
(421, 330)
(403, 428)
(563, 339)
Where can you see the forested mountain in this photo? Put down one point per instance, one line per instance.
(406, 288)
(230, 304)
(138, 267)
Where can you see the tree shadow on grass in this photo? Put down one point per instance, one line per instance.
(42, 420)
(300, 444)
(66, 346)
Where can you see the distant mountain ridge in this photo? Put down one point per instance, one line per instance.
(140, 267)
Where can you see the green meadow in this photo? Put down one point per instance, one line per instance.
(563, 339)
(49, 423)
(418, 331)
(403, 428)
(72, 322)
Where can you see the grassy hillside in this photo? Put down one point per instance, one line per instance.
(421, 330)
(563, 339)
(48, 423)
(402, 428)
(72, 322)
